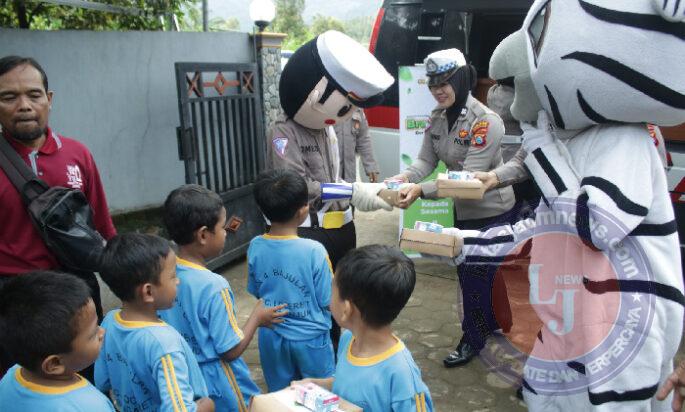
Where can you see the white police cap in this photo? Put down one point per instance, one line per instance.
(352, 67)
(441, 64)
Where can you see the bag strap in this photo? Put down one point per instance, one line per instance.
(22, 177)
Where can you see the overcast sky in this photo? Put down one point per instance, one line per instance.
(340, 9)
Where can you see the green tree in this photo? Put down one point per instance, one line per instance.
(221, 24)
(289, 21)
(360, 29)
(46, 16)
(322, 24)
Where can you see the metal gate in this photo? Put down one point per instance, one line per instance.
(221, 142)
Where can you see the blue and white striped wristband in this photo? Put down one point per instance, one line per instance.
(335, 191)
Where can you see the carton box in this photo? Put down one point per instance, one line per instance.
(461, 189)
(439, 244)
(284, 401)
(391, 196)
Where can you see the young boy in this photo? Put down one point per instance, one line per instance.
(49, 325)
(282, 268)
(145, 363)
(204, 312)
(372, 285)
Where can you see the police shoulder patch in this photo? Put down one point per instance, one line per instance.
(280, 144)
(479, 133)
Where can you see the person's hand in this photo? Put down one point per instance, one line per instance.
(373, 177)
(536, 137)
(453, 231)
(268, 316)
(365, 197)
(408, 194)
(301, 382)
(489, 179)
(401, 177)
(674, 383)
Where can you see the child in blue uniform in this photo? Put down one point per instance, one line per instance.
(283, 268)
(50, 327)
(372, 285)
(204, 311)
(145, 363)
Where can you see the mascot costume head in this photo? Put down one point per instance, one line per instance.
(588, 62)
(592, 73)
(326, 77)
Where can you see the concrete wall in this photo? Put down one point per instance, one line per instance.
(116, 92)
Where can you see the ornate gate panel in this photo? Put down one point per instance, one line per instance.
(221, 142)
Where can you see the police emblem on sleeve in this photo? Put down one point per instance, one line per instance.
(280, 144)
(479, 134)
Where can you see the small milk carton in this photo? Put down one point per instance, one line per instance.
(393, 184)
(460, 175)
(428, 227)
(316, 398)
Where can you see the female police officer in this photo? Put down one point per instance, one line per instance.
(465, 135)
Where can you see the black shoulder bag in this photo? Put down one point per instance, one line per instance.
(62, 216)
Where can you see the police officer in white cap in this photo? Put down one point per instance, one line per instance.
(465, 135)
(322, 84)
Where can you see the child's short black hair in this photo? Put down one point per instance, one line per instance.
(378, 279)
(187, 209)
(131, 260)
(280, 193)
(38, 315)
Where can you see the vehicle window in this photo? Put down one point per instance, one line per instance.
(397, 42)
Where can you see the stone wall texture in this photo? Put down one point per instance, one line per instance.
(270, 60)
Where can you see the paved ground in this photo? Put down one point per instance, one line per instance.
(428, 326)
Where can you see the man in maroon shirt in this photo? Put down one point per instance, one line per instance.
(25, 104)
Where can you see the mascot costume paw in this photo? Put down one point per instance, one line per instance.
(320, 86)
(592, 74)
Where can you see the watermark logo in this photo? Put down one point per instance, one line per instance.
(567, 325)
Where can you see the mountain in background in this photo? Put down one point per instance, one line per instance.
(339, 9)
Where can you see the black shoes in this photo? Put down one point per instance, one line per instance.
(460, 356)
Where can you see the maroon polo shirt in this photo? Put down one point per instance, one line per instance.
(59, 162)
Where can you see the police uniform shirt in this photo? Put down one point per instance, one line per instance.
(353, 138)
(147, 366)
(307, 152)
(388, 382)
(18, 394)
(204, 314)
(472, 144)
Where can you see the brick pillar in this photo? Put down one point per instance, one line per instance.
(269, 61)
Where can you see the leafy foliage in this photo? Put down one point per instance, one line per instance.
(322, 24)
(46, 16)
(289, 20)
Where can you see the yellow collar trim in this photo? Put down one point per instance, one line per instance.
(135, 323)
(398, 347)
(49, 390)
(189, 264)
(268, 236)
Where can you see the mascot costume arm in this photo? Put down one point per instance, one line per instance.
(321, 85)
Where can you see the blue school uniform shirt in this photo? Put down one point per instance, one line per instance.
(148, 366)
(204, 314)
(392, 381)
(296, 271)
(18, 394)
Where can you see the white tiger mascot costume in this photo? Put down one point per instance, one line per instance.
(598, 70)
